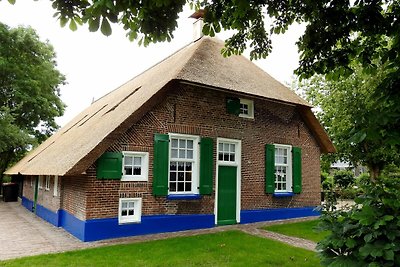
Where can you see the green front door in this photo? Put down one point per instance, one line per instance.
(227, 193)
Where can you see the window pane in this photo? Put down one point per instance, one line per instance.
(181, 187)
(137, 171)
(232, 148)
(172, 176)
(128, 170)
(181, 176)
(174, 143)
(137, 161)
(131, 204)
(182, 143)
(182, 154)
(124, 205)
(220, 156)
(190, 144)
(226, 147)
(124, 213)
(188, 176)
(188, 166)
(220, 146)
(188, 187)
(130, 213)
(174, 153)
(128, 160)
(226, 157)
(172, 187)
(189, 154)
(232, 157)
(181, 166)
(172, 166)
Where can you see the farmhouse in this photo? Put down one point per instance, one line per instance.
(195, 141)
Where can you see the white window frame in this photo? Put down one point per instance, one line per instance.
(136, 217)
(250, 105)
(55, 188)
(144, 176)
(40, 182)
(195, 162)
(289, 165)
(31, 181)
(47, 183)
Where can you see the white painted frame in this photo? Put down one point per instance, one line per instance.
(250, 104)
(40, 182)
(55, 188)
(289, 176)
(238, 164)
(144, 177)
(137, 217)
(196, 162)
(47, 183)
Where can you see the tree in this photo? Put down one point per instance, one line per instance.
(351, 112)
(29, 93)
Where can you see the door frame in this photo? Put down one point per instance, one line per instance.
(238, 164)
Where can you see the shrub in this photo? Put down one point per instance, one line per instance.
(343, 178)
(326, 181)
(368, 233)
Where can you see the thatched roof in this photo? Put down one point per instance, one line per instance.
(79, 143)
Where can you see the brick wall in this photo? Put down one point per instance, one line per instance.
(46, 197)
(202, 112)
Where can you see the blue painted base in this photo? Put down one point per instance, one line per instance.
(44, 213)
(98, 229)
(251, 216)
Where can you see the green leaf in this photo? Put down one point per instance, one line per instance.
(72, 25)
(388, 255)
(105, 27)
(12, 2)
(94, 24)
(63, 21)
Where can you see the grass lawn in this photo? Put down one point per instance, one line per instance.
(299, 229)
(231, 248)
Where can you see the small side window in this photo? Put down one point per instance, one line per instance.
(246, 108)
(135, 166)
(47, 183)
(130, 210)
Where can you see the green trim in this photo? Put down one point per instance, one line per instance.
(296, 158)
(206, 165)
(160, 165)
(35, 194)
(233, 105)
(109, 166)
(269, 168)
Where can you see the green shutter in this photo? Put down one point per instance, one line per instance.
(296, 158)
(109, 166)
(160, 167)
(206, 166)
(269, 168)
(233, 105)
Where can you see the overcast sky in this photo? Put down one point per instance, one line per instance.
(95, 64)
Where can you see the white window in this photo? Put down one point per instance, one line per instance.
(283, 168)
(55, 189)
(246, 108)
(40, 182)
(135, 166)
(31, 181)
(130, 210)
(183, 164)
(47, 183)
(227, 152)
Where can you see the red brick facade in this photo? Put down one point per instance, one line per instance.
(201, 112)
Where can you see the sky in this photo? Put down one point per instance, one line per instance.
(95, 64)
